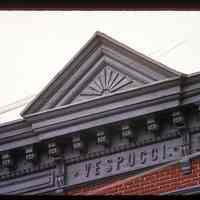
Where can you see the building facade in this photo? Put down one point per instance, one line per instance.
(112, 121)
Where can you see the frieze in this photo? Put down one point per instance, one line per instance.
(124, 162)
(120, 148)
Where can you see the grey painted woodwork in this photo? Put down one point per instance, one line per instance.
(152, 125)
(123, 162)
(110, 111)
(53, 149)
(30, 153)
(103, 137)
(27, 184)
(98, 47)
(7, 160)
(127, 131)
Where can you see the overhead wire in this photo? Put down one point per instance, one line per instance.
(165, 52)
(15, 105)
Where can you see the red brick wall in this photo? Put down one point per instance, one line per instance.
(166, 179)
(83, 190)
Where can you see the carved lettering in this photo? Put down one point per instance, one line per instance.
(120, 160)
(60, 181)
(164, 152)
(143, 157)
(88, 167)
(154, 154)
(123, 162)
(131, 159)
(76, 174)
(109, 169)
(97, 172)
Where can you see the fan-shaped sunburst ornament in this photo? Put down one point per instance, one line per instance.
(108, 81)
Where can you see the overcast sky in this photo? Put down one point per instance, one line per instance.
(34, 46)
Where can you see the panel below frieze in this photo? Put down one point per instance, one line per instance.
(28, 183)
(123, 162)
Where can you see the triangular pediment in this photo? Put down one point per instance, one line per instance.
(102, 67)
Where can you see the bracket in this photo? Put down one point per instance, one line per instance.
(185, 165)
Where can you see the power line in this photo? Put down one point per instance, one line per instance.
(15, 105)
(172, 48)
(165, 52)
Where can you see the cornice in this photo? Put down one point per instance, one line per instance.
(27, 171)
(68, 119)
(118, 96)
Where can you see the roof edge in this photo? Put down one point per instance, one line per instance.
(97, 37)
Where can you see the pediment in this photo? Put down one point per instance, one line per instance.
(102, 67)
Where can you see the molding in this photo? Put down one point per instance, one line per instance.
(36, 127)
(172, 84)
(60, 77)
(191, 88)
(28, 183)
(15, 130)
(157, 89)
(184, 191)
(185, 165)
(63, 126)
(130, 100)
(27, 171)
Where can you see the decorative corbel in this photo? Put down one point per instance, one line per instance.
(198, 107)
(7, 160)
(30, 153)
(178, 119)
(185, 165)
(197, 104)
(179, 122)
(54, 149)
(102, 137)
(60, 174)
(78, 143)
(152, 124)
(127, 131)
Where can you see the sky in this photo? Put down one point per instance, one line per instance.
(35, 45)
